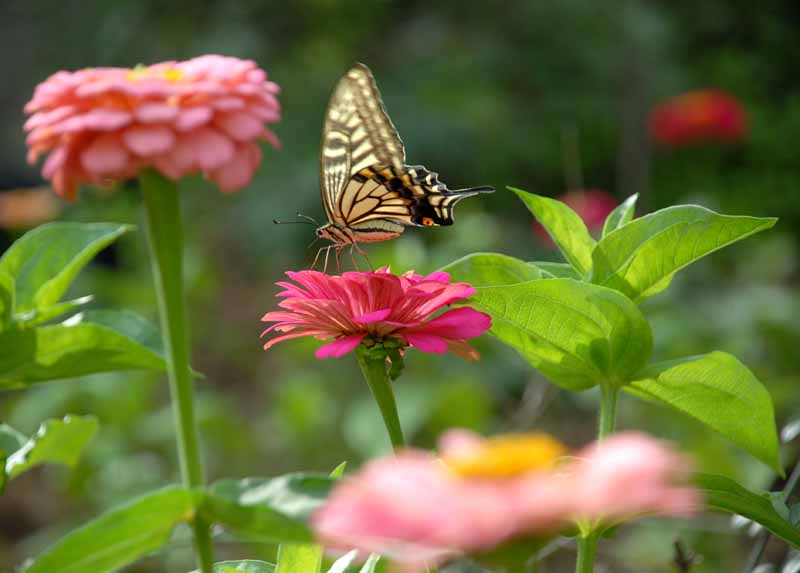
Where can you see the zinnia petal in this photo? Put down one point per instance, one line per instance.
(427, 342)
(340, 346)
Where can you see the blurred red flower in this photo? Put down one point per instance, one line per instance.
(376, 306)
(203, 115)
(701, 116)
(592, 205)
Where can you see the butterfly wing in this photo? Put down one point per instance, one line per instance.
(357, 134)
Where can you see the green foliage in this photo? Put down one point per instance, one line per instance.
(557, 270)
(300, 558)
(492, 269)
(90, 342)
(725, 494)
(564, 226)
(120, 536)
(246, 565)
(45, 261)
(265, 509)
(55, 442)
(621, 215)
(637, 258)
(577, 334)
(722, 393)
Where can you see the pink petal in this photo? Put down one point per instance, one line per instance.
(193, 117)
(283, 337)
(239, 125)
(54, 161)
(459, 323)
(211, 149)
(439, 276)
(375, 316)
(106, 155)
(235, 174)
(148, 140)
(340, 346)
(156, 112)
(427, 342)
(178, 161)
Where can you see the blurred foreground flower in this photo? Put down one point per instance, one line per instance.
(27, 208)
(376, 307)
(203, 115)
(592, 205)
(420, 510)
(698, 117)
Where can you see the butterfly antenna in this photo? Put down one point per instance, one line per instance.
(307, 218)
(470, 191)
(280, 222)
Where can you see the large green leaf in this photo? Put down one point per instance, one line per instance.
(55, 442)
(299, 558)
(577, 334)
(6, 301)
(552, 270)
(90, 342)
(491, 269)
(638, 256)
(621, 215)
(564, 226)
(246, 565)
(722, 493)
(265, 509)
(120, 536)
(46, 260)
(722, 393)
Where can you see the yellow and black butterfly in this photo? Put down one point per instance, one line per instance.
(368, 191)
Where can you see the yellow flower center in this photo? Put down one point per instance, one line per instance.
(143, 72)
(507, 456)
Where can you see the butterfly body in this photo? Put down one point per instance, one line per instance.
(369, 192)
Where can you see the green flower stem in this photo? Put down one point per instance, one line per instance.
(608, 410)
(165, 239)
(586, 550)
(373, 365)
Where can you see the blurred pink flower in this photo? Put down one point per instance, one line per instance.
(698, 117)
(591, 205)
(421, 511)
(203, 115)
(378, 306)
(631, 474)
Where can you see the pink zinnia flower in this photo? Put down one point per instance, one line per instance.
(205, 115)
(421, 510)
(698, 117)
(378, 306)
(591, 205)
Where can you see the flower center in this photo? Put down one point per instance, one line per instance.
(506, 456)
(140, 73)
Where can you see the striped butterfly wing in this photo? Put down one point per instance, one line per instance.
(357, 134)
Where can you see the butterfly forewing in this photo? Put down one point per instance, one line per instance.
(357, 134)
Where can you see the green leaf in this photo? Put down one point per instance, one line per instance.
(564, 226)
(247, 565)
(371, 564)
(261, 509)
(120, 536)
(621, 215)
(636, 257)
(10, 441)
(723, 493)
(491, 269)
(577, 334)
(302, 558)
(45, 261)
(6, 301)
(722, 393)
(50, 313)
(87, 343)
(55, 442)
(338, 471)
(557, 270)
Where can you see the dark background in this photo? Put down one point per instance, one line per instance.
(483, 93)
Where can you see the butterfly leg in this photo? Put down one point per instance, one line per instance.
(338, 252)
(363, 253)
(316, 258)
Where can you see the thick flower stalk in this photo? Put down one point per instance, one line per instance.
(204, 115)
(376, 307)
(697, 117)
(422, 510)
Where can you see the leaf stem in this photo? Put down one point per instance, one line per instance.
(373, 367)
(165, 239)
(608, 410)
(587, 546)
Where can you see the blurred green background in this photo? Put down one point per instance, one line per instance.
(483, 93)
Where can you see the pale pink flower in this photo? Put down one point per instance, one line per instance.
(204, 115)
(631, 474)
(378, 306)
(420, 510)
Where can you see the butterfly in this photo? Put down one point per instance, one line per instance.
(368, 191)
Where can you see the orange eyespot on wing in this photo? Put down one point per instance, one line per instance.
(427, 221)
